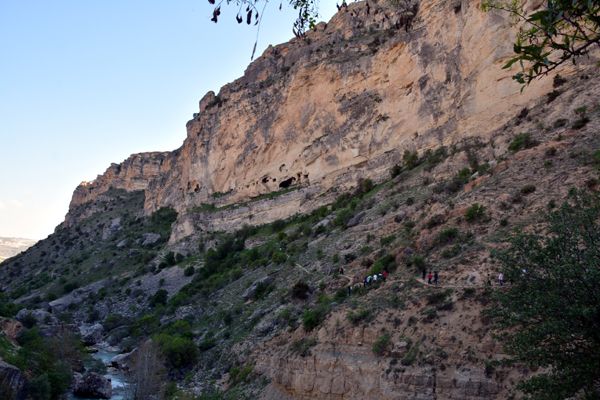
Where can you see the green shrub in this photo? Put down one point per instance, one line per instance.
(364, 186)
(521, 141)
(411, 355)
(435, 220)
(430, 315)
(432, 158)
(365, 250)
(302, 347)
(262, 289)
(386, 262)
(417, 261)
(340, 295)
(527, 189)
(278, 225)
(387, 240)
(28, 320)
(313, 317)
(475, 212)
(447, 235)
(343, 216)
(358, 316)
(113, 321)
(438, 297)
(300, 290)
(451, 251)
(239, 375)
(381, 345)
(279, 257)
(70, 286)
(286, 315)
(395, 171)
(580, 122)
(179, 351)
(47, 368)
(159, 298)
(39, 388)
(411, 159)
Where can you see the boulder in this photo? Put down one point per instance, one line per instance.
(149, 239)
(110, 230)
(122, 361)
(91, 334)
(265, 326)
(40, 317)
(355, 220)
(117, 335)
(92, 385)
(323, 223)
(12, 382)
(251, 291)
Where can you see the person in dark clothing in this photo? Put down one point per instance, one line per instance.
(424, 273)
(429, 277)
(435, 278)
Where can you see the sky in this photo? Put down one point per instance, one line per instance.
(87, 83)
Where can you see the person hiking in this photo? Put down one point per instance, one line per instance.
(429, 277)
(341, 271)
(435, 278)
(424, 274)
(385, 274)
(501, 279)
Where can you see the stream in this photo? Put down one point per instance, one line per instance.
(119, 383)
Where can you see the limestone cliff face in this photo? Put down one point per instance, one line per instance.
(135, 173)
(341, 104)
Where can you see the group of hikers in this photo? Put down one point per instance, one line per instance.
(368, 281)
(372, 279)
(432, 277)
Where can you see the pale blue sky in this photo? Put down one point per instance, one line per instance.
(87, 83)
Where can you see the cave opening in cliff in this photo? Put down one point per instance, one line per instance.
(287, 183)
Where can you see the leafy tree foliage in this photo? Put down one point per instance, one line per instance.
(251, 12)
(550, 311)
(557, 32)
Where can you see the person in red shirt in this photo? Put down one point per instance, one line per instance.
(429, 277)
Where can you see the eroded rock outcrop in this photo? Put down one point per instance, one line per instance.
(12, 382)
(92, 385)
(321, 112)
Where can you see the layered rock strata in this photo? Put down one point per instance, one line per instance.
(343, 103)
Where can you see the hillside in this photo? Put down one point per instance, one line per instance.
(389, 139)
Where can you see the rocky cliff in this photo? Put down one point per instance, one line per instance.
(412, 96)
(343, 103)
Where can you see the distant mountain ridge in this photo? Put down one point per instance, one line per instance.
(12, 246)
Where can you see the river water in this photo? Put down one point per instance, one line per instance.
(119, 383)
